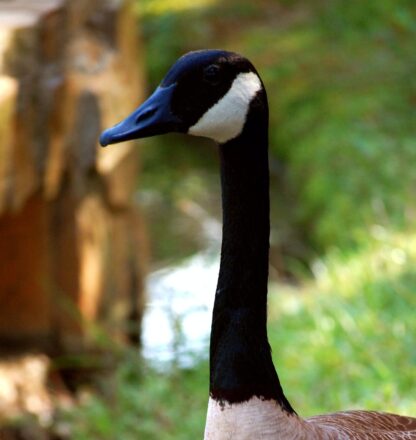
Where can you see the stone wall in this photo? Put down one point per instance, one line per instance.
(71, 239)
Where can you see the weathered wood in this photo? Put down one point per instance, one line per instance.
(71, 249)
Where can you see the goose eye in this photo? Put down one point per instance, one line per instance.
(212, 74)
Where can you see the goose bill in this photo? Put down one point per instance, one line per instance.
(152, 118)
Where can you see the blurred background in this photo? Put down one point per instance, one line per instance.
(109, 257)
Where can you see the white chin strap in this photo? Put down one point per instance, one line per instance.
(225, 119)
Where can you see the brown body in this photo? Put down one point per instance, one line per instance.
(259, 419)
(368, 425)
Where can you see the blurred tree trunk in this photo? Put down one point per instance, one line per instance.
(71, 239)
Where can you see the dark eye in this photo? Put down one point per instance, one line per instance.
(212, 73)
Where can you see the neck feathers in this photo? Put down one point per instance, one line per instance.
(241, 364)
(254, 419)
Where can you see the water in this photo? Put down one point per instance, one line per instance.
(177, 320)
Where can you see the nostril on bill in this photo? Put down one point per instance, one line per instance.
(145, 115)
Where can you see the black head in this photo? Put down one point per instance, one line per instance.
(205, 93)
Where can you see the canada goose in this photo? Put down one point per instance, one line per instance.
(219, 95)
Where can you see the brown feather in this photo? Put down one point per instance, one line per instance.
(367, 425)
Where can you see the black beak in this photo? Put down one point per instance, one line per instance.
(153, 117)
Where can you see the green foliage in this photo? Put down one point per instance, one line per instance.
(344, 119)
(176, 177)
(145, 404)
(348, 339)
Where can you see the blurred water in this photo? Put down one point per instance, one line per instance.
(177, 320)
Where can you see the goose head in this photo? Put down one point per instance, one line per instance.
(206, 93)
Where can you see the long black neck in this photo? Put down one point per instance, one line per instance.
(240, 358)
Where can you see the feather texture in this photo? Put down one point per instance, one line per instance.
(259, 419)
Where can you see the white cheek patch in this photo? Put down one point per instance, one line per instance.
(225, 119)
